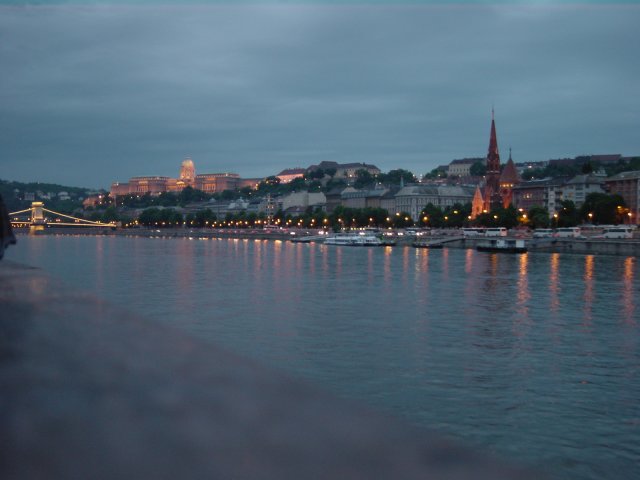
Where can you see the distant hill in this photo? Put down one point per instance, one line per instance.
(19, 195)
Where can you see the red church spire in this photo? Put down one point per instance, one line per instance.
(493, 153)
(492, 187)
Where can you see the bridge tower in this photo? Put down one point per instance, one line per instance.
(37, 217)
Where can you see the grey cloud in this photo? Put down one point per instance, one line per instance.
(98, 94)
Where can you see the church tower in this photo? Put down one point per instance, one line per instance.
(492, 197)
(508, 179)
(477, 204)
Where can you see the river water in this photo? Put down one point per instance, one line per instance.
(533, 357)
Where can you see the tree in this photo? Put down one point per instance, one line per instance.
(478, 169)
(435, 173)
(110, 215)
(600, 208)
(228, 195)
(316, 174)
(568, 215)
(402, 220)
(432, 216)
(587, 167)
(538, 217)
(297, 184)
(363, 178)
(167, 199)
(456, 215)
(149, 216)
(315, 186)
(394, 176)
(498, 217)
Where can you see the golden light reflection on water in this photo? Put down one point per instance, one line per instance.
(422, 259)
(628, 298)
(523, 280)
(299, 258)
(588, 289)
(523, 296)
(468, 261)
(554, 279)
(325, 258)
(387, 263)
(312, 257)
(445, 264)
(491, 278)
(277, 258)
(257, 256)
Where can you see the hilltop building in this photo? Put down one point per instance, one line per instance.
(462, 167)
(207, 182)
(345, 170)
(290, 174)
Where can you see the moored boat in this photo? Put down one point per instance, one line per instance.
(354, 240)
(503, 245)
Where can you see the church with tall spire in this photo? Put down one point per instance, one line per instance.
(496, 190)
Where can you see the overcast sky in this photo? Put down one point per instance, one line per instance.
(95, 94)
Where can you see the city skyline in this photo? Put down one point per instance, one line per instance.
(104, 93)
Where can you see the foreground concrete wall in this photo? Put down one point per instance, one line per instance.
(88, 391)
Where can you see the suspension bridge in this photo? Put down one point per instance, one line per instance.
(36, 217)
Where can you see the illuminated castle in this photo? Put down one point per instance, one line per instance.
(207, 182)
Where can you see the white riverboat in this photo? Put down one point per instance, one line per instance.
(505, 245)
(354, 240)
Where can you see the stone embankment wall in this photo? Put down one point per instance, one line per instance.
(566, 245)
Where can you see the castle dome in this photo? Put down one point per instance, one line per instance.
(187, 170)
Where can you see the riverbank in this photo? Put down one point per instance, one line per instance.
(583, 246)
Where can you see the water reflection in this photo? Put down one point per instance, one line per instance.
(588, 289)
(468, 261)
(491, 274)
(405, 265)
(370, 267)
(523, 296)
(185, 272)
(388, 251)
(445, 264)
(523, 282)
(628, 296)
(554, 279)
